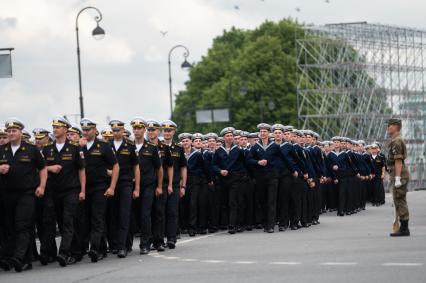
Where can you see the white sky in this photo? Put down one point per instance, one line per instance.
(125, 74)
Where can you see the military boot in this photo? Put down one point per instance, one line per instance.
(403, 230)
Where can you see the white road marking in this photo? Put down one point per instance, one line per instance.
(243, 262)
(285, 263)
(197, 238)
(171, 257)
(339, 263)
(402, 264)
(188, 259)
(212, 261)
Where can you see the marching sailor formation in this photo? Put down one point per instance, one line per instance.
(103, 192)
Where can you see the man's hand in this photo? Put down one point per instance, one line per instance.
(224, 173)
(82, 142)
(109, 172)
(158, 191)
(336, 181)
(398, 182)
(81, 196)
(182, 192)
(295, 174)
(170, 189)
(109, 193)
(55, 169)
(4, 168)
(262, 162)
(135, 194)
(39, 192)
(335, 167)
(306, 176)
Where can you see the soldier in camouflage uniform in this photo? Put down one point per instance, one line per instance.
(398, 175)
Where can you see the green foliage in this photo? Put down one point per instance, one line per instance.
(263, 61)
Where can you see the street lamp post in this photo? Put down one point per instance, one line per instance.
(98, 33)
(185, 64)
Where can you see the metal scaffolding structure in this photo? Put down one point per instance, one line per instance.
(354, 76)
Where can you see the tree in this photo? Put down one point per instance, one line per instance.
(251, 72)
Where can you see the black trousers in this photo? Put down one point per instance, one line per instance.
(213, 194)
(223, 205)
(316, 199)
(159, 217)
(147, 196)
(306, 197)
(134, 227)
(266, 197)
(19, 216)
(324, 196)
(95, 208)
(66, 205)
(172, 214)
(363, 195)
(121, 207)
(332, 195)
(344, 194)
(233, 184)
(45, 219)
(248, 200)
(2, 225)
(285, 198)
(377, 185)
(197, 202)
(295, 210)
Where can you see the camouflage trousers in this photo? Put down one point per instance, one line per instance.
(400, 201)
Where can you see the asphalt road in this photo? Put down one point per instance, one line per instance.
(342, 249)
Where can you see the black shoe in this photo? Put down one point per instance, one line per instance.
(203, 232)
(293, 227)
(259, 226)
(5, 264)
(44, 259)
(171, 245)
(231, 230)
(114, 251)
(94, 257)
(144, 251)
(27, 266)
(122, 253)
(72, 260)
(16, 263)
(62, 260)
(340, 214)
(191, 233)
(240, 229)
(282, 228)
(249, 227)
(298, 225)
(270, 230)
(212, 230)
(184, 231)
(160, 248)
(314, 222)
(403, 230)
